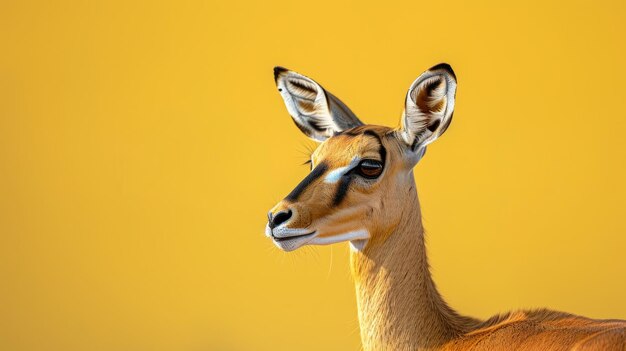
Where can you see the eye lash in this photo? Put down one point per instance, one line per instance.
(307, 162)
(356, 169)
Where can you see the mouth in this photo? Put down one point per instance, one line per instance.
(280, 240)
(298, 238)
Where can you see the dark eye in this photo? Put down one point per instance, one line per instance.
(370, 168)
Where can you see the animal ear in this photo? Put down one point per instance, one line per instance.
(429, 106)
(317, 112)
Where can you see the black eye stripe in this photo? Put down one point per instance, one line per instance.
(299, 189)
(342, 189)
(347, 179)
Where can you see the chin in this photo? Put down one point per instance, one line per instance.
(288, 239)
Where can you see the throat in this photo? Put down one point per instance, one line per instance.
(399, 305)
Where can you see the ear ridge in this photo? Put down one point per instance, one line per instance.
(338, 108)
(317, 112)
(429, 106)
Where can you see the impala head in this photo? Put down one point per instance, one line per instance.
(361, 175)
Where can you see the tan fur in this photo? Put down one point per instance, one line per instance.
(400, 308)
(398, 303)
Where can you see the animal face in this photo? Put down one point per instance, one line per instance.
(360, 174)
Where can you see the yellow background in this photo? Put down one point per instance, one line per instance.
(142, 144)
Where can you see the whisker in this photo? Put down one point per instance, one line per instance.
(307, 149)
(330, 266)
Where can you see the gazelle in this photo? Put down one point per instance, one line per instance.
(361, 189)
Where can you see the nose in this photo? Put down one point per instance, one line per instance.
(279, 218)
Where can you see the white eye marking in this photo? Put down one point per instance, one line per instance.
(336, 174)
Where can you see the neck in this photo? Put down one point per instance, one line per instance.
(399, 306)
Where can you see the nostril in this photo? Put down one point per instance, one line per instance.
(280, 218)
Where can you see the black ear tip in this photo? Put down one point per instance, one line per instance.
(278, 70)
(443, 66)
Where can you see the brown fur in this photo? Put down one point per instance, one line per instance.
(398, 303)
(400, 308)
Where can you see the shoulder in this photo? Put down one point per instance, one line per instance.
(542, 329)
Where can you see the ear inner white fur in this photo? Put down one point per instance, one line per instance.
(317, 112)
(429, 106)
